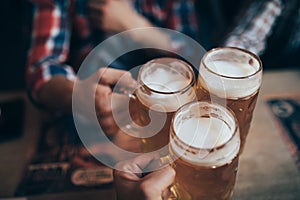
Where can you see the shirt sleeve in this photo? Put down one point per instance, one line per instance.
(49, 44)
(179, 15)
(255, 25)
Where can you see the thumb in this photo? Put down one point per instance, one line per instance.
(155, 183)
(110, 76)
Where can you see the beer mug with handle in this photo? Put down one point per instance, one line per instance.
(231, 77)
(204, 145)
(164, 85)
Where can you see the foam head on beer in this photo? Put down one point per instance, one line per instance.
(203, 139)
(165, 82)
(204, 132)
(164, 78)
(232, 74)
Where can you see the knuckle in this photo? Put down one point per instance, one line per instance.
(106, 110)
(148, 190)
(144, 187)
(120, 166)
(172, 173)
(101, 73)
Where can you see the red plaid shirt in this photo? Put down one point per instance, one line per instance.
(56, 20)
(50, 50)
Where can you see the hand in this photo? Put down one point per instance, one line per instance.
(130, 184)
(114, 15)
(95, 100)
(107, 102)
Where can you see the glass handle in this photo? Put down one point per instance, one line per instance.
(131, 126)
(173, 194)
(176, 193)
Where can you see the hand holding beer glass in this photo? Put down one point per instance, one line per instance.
(164, 85)
(204, 143)
(231, 76)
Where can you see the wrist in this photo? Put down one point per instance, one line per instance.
(56, 94)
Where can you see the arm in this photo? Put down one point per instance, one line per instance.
(47, 76)
(115, 16)
(51, 81)
(255, 25)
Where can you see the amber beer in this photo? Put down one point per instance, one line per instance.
(204, 142)
(231, 76)
(165, 84)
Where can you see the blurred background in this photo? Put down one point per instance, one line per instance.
(220, 18)
(15, 40)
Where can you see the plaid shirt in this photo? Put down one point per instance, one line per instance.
(258, 29)
(56, 20)
(253, 29)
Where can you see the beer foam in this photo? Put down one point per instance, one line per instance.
(231, 69)
(166, 84)
(205, 134)
(165, 80)
(230, 82)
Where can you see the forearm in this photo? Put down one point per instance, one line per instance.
(56, 94)
(118, 16)
(177, 15)
(153, 36)
(48, 77)
(255, 25)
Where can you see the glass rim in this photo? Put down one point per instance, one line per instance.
(256, 57)
(198, 103)
(182, 90)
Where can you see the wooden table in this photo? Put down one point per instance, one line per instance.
(266, 170)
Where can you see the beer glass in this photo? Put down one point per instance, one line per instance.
(204, 142)
(231, 76)
(164, 85)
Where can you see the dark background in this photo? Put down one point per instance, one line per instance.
(15, 33)
(16, 17)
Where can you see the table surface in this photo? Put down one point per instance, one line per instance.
(266, 168)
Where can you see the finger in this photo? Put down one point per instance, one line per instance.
(125, 184)
(150, 184)
(115, 121)
(109, 76)
(103, 100)
(108, 125)
(123, 171)
(143, 160)
(157, 164)
(119, 102)
(135, 166)
(107, 103)
(112, 110)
